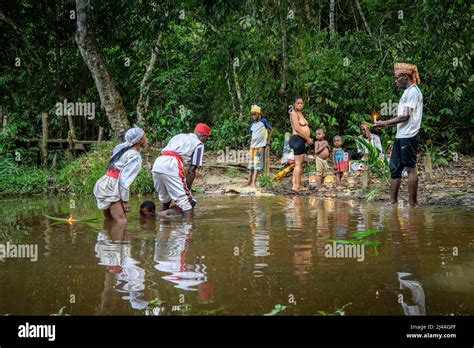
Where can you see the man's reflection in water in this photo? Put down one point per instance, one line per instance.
(171, 247)
(299, 237)
(113, 248)
(405, 248)
(259, 223)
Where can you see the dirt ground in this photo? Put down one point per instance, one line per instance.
(451, 185)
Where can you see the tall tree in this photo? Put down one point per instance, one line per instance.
(110, 98)
(284, 49)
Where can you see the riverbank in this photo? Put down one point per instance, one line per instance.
(451, 184)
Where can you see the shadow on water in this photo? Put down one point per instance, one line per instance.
(242, 255)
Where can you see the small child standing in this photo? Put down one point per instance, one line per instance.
(261, 132)
(322, 150)
(339, 159)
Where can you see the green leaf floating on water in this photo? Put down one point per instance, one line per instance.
(277, 309)
(156, 302)
(69, 220)
(457, 194)
(365, 233)
(354, 241)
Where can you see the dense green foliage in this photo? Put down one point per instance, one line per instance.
(343, 78)
(78, 176)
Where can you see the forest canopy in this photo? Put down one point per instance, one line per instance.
(178, 63)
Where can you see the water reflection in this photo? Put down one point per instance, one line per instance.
(417, 298)
(259, 223)
(280, 242)
(113, 249)
(300, 238)
(171, 247)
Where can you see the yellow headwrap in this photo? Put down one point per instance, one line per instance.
(255, 108)
(405, 68)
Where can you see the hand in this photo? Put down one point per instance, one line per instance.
(309, 141)
(380, 124)
(126, 207)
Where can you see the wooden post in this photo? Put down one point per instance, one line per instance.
(267, 160)
(365, 178)
(70, 146)
(428, 167)
(101, 135)
(71, 133)
(44, 140)
(55, 159)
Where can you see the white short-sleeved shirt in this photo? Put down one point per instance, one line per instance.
(411, 98)
(259, 132)
(189, 147)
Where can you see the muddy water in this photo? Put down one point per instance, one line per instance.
(243, 256)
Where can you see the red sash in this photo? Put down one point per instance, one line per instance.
(179, 158)
(113, 172)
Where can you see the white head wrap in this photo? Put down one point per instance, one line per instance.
(132, 137)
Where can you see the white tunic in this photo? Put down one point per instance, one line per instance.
(411, 98)
(108, 190)
(188, 146)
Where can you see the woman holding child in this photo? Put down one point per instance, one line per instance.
(298, 140)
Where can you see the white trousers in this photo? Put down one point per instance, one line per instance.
(173, 188)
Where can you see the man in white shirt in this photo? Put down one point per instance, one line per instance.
(408, 121)
(169, 178)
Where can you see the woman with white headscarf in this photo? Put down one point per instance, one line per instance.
(112, 190)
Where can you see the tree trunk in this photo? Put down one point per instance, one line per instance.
(363, 17)
(332, 4)
(110, 98)
(230, 92)
(141, 104)
(284, 49)
(237, 89)
(44, 140)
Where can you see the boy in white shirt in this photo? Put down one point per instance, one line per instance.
(261, 132)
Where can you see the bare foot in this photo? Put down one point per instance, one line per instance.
(391, 203)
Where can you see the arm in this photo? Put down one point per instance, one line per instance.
(409, 107)
(190, 175)
(318, 150)
(407, 112)
(127, 175)
(196, 161)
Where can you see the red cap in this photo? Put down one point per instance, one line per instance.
(203, 128)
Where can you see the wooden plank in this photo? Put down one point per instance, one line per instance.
(267, 160)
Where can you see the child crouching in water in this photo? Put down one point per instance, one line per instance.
(339, 160)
